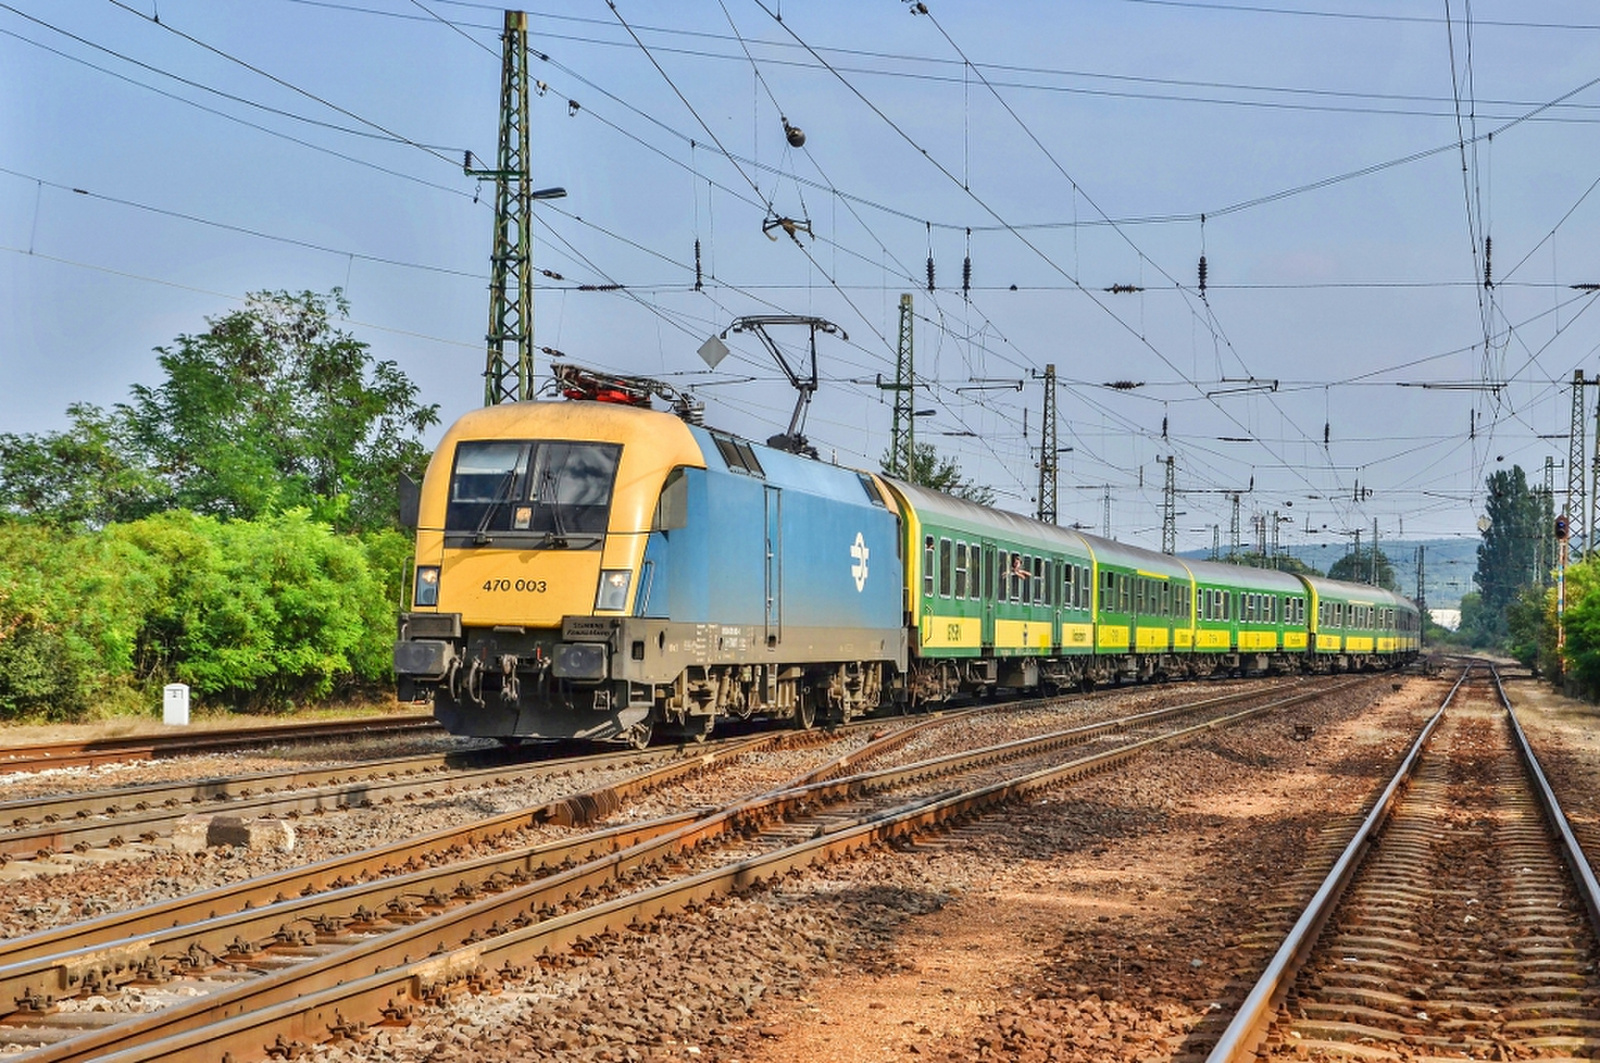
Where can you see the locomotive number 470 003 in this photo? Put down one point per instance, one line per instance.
(526, 586)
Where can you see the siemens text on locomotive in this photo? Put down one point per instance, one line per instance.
(600, 570)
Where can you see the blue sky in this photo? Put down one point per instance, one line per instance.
(317, 144)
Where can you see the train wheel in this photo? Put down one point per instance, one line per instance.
(805, 713)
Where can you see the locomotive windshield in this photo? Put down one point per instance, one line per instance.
(531, 492)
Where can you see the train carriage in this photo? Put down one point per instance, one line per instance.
(1356, 626)
(989, 594)
(1144, 604)
(1250, 613)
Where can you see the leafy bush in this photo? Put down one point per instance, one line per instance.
(1531, 626)
(248, 613)
(1582, 624)
(69, 621)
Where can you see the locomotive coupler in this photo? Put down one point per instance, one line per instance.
(510, 689)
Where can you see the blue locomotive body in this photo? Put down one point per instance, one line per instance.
(784, 543)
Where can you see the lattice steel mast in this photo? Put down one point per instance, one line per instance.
(1547, 538)
(1047, 449)
(1169, 510)
(903, 441)
(1233, 532)
(1575, 509)
(1589, 544)
(508, 372)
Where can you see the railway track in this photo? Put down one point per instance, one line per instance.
(41, 756)
(305, 969)
(1459, 923)
(114, 818)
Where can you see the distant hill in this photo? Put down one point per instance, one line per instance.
(1448, 564)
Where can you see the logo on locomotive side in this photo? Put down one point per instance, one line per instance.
(859, 551)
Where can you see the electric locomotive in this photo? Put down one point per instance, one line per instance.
(599, 570)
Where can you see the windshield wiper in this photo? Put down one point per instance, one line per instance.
(501, 495)
(557, 541)
(550, 492)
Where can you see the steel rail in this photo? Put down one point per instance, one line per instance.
(60, 823)
(321, 992)
(1572, 854)
(1087, 731)
(36, 971)
(100, 968)
(210, 795)
(58, 959)
(45, 755)
(1251, 1021)
(388, 859)
(946, 763)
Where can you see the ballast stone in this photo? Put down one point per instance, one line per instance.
(194, 833)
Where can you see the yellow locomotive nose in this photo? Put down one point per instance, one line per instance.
(533, 518)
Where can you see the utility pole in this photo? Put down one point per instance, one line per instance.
(1547, 538)
(902, 445)
(1233, 531)
(1216, 542)
(1574, 509)
(1374, 551)
(1562, 537)
(1275, 521)
(1589, 544)
(1107, 523)
(1048, 453)
(1169, 511)
(508, 372)
(1422, 593)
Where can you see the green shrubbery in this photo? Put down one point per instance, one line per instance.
(252, 614)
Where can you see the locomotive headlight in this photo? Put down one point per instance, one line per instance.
(427, 585)
(613, 592)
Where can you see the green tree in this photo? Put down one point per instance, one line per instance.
(1357, 568)
(1581, 654)
(1508, 554)
(249, 613)
(1530, 625)
(1282, 562)
(275, 407)
(930, 470)
(89, 475)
